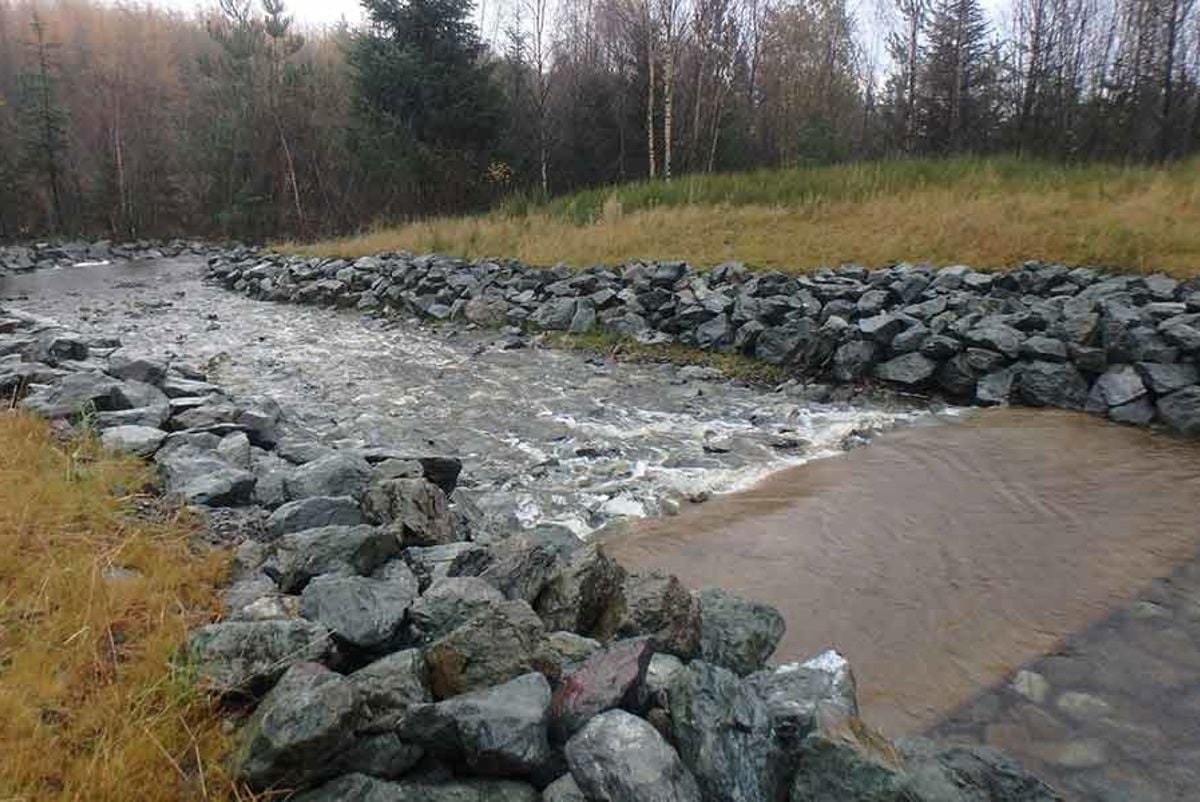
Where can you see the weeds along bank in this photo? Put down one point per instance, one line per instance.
(377, 643)
(1121, 346)
(999, 211)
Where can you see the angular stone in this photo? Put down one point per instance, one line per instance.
(431, 563)
(339, 474)
(300, 556)
(604, 681)
(520, 567)
(1180, 411)
(618, 757)
(308, 717)
(314, 512)
(1051, 384)
(793, 692)
(657, 605)
(379, 754)
(939, 347)
(361, 611)
(1120, 384)
(724, 735)
(199, 476)
(499, 731)
(245, 656)
(451, 602)
(125, 364)
(415, 508)
(141, 441)
(910, 370)
(388, 687)
(361, 788)
(577, 595)
(852, 361)
(735, 633)
(1166, 379)
(564, 789)
(996, 388)
(1049, 349)
(74, 395)
(496, 645)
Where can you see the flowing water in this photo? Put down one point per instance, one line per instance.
(940, 558)
(544, 434)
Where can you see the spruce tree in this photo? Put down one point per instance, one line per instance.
(957, 81)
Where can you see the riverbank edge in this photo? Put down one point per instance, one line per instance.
(1123, 347)
(382, 641)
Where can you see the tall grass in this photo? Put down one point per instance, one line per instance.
(93, 606)
(988, 212)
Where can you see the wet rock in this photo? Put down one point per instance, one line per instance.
(1166, 379)
(415, 508)
(997, 387)
(852, 361)
(244, 657)
(498, 731)
(724, 735)
(793, 692)
(1180, 411)
(338, 474)
(1120, 384)
(388, 687)
(604, 681)
(1051, 384)
(659, 606)
(451, 602)
(577, 596)
(1136, 413)
(618, 757)
(498, 644)
(141, 441)
(307, 718)
(314, 512)
(126, 364)
(300, 556)
(840, 759)
(785, 344)
(736, 633)
(910, 370)
(362, 611)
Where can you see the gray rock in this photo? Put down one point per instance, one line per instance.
(842, 760)
(499, 731)
(141, 441)
(308, 717)
(314, 512)
(520, 567)
(564, 789)
(379, 754)
(74, 395)
(1119, 385)
(339, 474)
(883, 328)
(584, 318)
(724, 735)
(431, 563)
(606, 680)
(234, 448)
(199, 476)
(567, 649)
(388, 687)
(1136, 413)
(618, 757)
(415, 508)
(362, 611)
(996, 336)
(657, 605)
(300, 556)
(779, 345)
(1180, 411)
(577, 595)
(125, 364)
(1181, 334)
(735, 633)
(911, 340)
(1049, 349)
(498, 644)
(793, 692)
(451, 602)
(361, 788)
(852, 361)
(1051, 384)
(996, 387)
(244, 657)
(939, 347)
(557, 314)
(1165, 379)
(910, 370)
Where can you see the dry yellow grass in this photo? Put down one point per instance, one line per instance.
(91, 705)
(1141, 219)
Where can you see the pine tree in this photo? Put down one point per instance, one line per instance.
(957, 81)
(44, 122)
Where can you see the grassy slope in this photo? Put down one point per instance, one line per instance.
(91, 706)
(989, 212)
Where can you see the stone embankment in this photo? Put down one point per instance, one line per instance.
(26, 258)
(1121, 346)
(385, 650)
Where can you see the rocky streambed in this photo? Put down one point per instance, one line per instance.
(392, 648)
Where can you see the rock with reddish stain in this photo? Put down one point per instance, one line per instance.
(601, 683)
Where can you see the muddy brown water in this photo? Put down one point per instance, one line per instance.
(940, 558)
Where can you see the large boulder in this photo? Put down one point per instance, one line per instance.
(605, 680)
(498, 731)
(244, 657)
(1120, 384)
(198, 476)
(450, 602)
(580, 591)
(307, 718)
(657, 605)
(362, 611)
(126, 364)
(415, 508)
(793, 692)
(300, 556)
(1165, 379)
(520, 567)
(388, 687)
(338, 474)
(736, 633)
(618, 757)
(74, 395)
(724, 735)
(1052, 384)
(314, 512)
(494, 646)
(911, 370)
(1180, 411)
(141, 441)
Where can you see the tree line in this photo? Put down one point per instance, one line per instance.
(130, 121)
